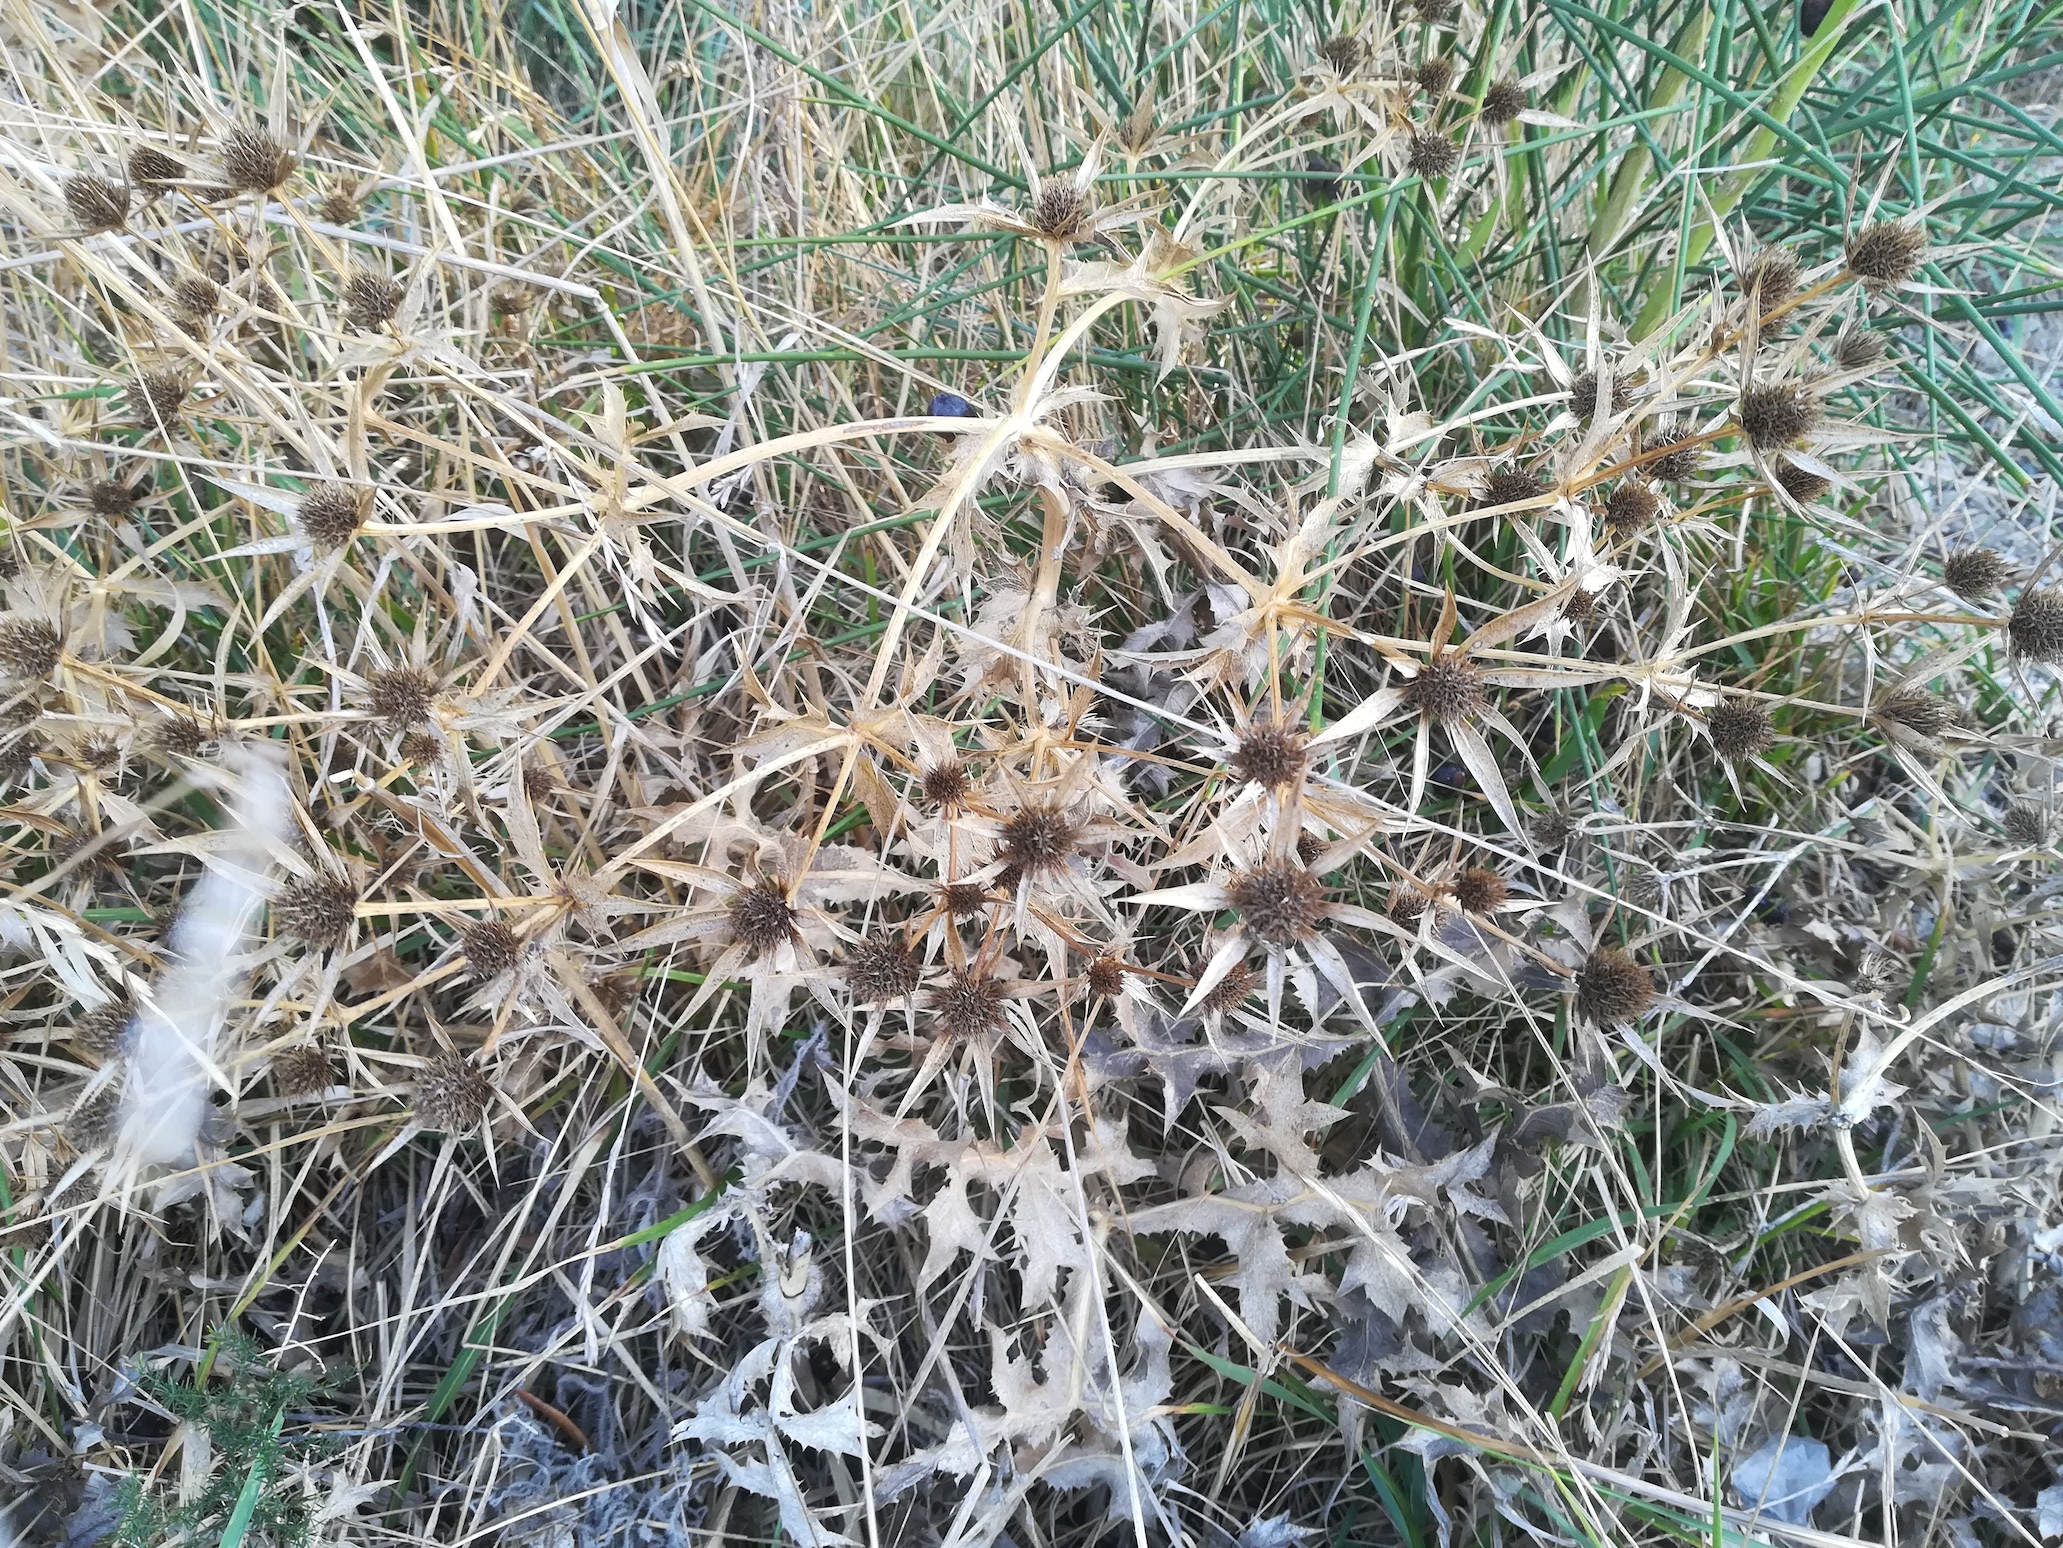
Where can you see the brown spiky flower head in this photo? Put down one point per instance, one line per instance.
(30, 649)
(96, 203)
(316, 909)
(1886, 253)
(1801, 484)
(1673, 461)
(1503, 101)
(947, 786)
(1447, 688)
(1345, 53)
(1583, 395)
(1039, 837)
(157, 395)
(1774, 415)
(1770, 277)
(491, 949)
(152, 169)
(881, 968)
(1279, 901)
(302, 1070)
(1479, 890)
(254, 162)
(2035, 628)
(371, 299)
(1509, 484)
(1612, 990)
(1434, 76)
(1739, 730)
(402, 696)
(451, 1096)
(969, 1006)
(1431, 154)
(331, 515)
(1633, 504)
(1976, 573)
(1272, 755)
(762, 916)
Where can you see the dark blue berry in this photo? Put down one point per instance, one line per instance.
(950, 405)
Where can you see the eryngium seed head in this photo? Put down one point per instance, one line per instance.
(1739, 730)
(155, 397)
(1434, 76)
(1432, 12)
(331, 515)
(1407, 906)
(1106, 977)
(969, 1005)
(1583, 394)
(424, 749)
(1580, 606)
(1345, 54)
(1676, 461)
(963, 900)
(30, 649)
(1918, 711)
(196, 297)
(1431, 154)
(371, 299)
(254, 161)
(510, 298)
(1280, 902)
(316, 909)
(1448, 687)
(2026, 823)
(1508, 484)
(1479, 890)
(102, 1030)
(1062, 211)
(1612, 989)
(302, 1070)
(1231, 991)
(97, 1114)
(1502, 102)
(946, 785)
(1632, 505)
(151, 168)
(1976, 573)
(1271, 756)
(110, 497)
(340, 206)
(176, 736)
(1038, 838)
(491, 949)
(761, 917)
(95, 203)
(881, 968)
(451, 1096)
(1775, 414)
(1886, 252)
(402, 696)
(1801, 484)
(2036, 626)
(1770, 277)
(1857, 348)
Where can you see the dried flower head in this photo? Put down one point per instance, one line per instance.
(317, 909)
(96, 203)
(1885, 253)
(302, 1070)
(341, 204)
(97, 1114)
(176, 736)
(969, 1005)
(150, 168)
(451, 1097)
(1279, 900)
(1271, 755)
(1877, 969)
(254, 161)
(1612, 989)
(156, 396)
(1503, 101)
(103, 1030)
(423, 749)
(331, 515)
(1775, 414)
(761, 916)
(1770, 277)
(402, 696)
(1857, 348)
(946, 785)
(1580, 606)
(111, 498)
(1431, 153)
(1918, 711)
(1801, 484)
(1633, 504)
(880, 968)
(371, 299)
(30, 649)
(491, 949)
(1479, 890)
(1038, 837)
(1976, 573)
(963, 900)
(510, 298)
(1508, 484)
(2026, 823)
(1433, 12)
(2036, 625)
(538, 779)
(1106, 977)
(1740, 730)
(1448, 687)
(1345, 54)
(196, 298)
(1407, 906)
(1231, 991)
(1673, 461)
(1063, 211)
(1434, 76)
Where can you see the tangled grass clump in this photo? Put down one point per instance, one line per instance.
(916, 776)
